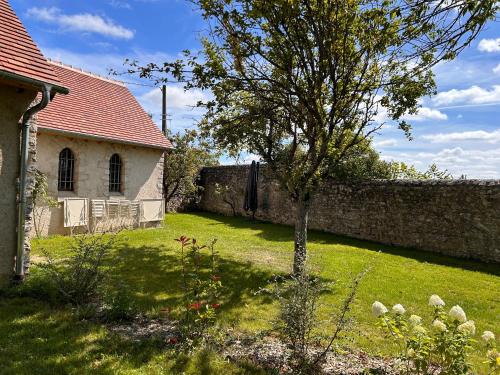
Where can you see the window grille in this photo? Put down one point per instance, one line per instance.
(115, 174)
(65, 181)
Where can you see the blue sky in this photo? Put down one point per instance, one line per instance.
(459, 129)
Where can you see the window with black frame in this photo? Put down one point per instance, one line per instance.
(65, 181)
(115, 174)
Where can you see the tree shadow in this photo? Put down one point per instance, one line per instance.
(154, 276)
(284, 233)
(37, 339)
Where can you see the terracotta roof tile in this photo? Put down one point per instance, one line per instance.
(100, 108)
(19, 55)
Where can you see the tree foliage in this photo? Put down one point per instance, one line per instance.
(183, 165)
(302, 82)
(402, 171)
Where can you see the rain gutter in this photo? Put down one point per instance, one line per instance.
(32, 82)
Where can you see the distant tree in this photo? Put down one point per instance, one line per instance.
(183, 165)
(402, 171)
(300, 82)
(362, 162)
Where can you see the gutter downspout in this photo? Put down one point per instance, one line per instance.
(21, 231)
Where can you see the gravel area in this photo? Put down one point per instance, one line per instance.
(271, 353)
(143, 328)
(268, 352)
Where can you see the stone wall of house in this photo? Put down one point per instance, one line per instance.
(458, 218)
(142, 173)
(13, 103)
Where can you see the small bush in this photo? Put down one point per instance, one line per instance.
(79, 277)
(443, 346)
(298, 320)
(119, 305)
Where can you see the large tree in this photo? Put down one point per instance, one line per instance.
(302, 82)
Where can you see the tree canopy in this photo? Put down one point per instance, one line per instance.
(303, 82)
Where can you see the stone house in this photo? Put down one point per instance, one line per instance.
(102, 156)
(24, 74)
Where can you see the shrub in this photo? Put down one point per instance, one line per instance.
(443, 345)
(298, 320)
(79, 277)
(119, 305)
(492, 354)
(201, 286)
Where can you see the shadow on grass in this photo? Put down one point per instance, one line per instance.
(283, 233)
(35, 339)
(154, 276)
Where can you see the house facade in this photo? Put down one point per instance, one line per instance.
(24, 74)
(100, 152)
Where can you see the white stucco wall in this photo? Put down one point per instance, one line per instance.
(13, 103)
(142, 172)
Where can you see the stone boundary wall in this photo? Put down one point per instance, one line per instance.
(459, 217)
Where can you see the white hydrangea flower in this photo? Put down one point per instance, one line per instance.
(439, 325)
(457, 313)
(419, 329)
(415, 320)
(493, 354)
(378, 309)
(488, 336)
(398, 309)
(436, 301)
(469, 328)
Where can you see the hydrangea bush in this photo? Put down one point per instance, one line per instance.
(442, 346)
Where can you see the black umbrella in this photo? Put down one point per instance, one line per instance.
(251, 202)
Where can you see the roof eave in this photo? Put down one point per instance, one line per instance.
(37, 83)
(67, 133)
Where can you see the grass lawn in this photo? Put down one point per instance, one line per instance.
(36, 338)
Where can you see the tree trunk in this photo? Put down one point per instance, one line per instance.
(300, 238)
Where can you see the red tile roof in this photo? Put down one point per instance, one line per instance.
(99, 108)
(19, 55)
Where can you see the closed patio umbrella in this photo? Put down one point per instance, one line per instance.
(251, 202)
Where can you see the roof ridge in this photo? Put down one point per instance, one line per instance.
(80, 70)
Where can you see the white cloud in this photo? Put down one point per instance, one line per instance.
(84, 22)
(474, 163)
(385, 143)
(489, 45)
(472, 95)
(426, 113)
(477, 135)
(177, 98)
(120, 4)
(496, 69)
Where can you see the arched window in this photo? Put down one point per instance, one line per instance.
(115, 174)
(65, 181)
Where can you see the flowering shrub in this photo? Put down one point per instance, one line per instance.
(443, 346)
(492, 354)
(201, 287)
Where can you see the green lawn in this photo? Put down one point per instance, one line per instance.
(38, 338)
